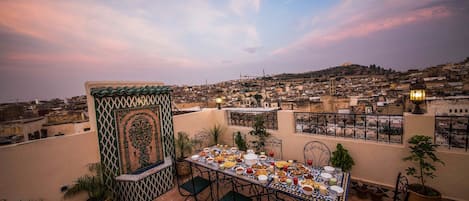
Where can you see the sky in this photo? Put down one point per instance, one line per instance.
(50, 49)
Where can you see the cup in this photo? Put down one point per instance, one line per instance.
(285, 168)
(295, 180)
(271, 154)
(309, 162)
(275, 177)
(332, 181)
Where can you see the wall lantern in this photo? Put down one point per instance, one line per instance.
(218, 100)
(417, 96)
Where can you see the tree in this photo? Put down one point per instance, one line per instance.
(422, 153)
(260, 131)
(92, 184)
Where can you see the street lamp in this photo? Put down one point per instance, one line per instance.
(417, 96)
(218, 100)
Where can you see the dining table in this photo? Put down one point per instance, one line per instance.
(279, 178)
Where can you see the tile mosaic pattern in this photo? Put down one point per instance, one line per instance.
(139, 138)
(107, 101)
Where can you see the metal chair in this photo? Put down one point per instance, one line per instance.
(401, 189)
(195, 183)
(275, 145)
(234, 195)
(318, 152)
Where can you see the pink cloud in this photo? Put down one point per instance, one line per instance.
(360, 25)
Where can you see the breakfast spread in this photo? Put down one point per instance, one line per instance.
(282, 175)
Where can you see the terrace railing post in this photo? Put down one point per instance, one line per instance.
(450, 131)
(335, 125)
(467, 133)
(354, 126)
(377, 128)
(390, 130)
(366, 129)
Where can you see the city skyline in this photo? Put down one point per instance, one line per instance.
(50, 48)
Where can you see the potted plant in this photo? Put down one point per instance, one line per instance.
(259, 130)
(216, 131)
(183, 146)
(93, 185)
(342, 159)
(377, 194)
(422, 153)
(240, 142)
(362, 190)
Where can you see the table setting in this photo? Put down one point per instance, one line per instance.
(302, 181)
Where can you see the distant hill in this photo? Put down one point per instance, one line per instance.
(348, 70)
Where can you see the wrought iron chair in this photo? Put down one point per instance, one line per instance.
(195, 183)
(318, 152)
(275, 145)
(234, 194)
(401, 189)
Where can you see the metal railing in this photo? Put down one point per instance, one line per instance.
(380, 128)
(452, 132)
(247, 118)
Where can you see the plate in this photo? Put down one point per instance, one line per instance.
(326, 175)
(195, 157)
(337, 189)
(329, 169)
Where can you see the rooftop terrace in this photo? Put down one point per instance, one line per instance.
(57, 161)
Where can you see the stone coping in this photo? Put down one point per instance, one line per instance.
(136, 177)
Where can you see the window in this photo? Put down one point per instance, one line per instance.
(450, 110)
(460, 110)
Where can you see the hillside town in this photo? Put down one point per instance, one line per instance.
(345, 89)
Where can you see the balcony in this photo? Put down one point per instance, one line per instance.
(377, 148)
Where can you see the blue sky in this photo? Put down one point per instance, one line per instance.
(50, 48)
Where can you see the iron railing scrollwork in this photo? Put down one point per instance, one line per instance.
(452, 132)
(247, 118)
(374, 127)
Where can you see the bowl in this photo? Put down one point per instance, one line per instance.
(250, 159)
(239, 170)
(337, 190)
(262, 157)
(262, 179)
(326, 176)
(234, 149)
(329, 169)
(307, 189)
(195, 157)
(210, 160)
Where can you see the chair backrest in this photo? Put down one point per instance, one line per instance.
(400, 191)
(318, 152)
(275, 145)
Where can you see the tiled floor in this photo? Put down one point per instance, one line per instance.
(173, 195)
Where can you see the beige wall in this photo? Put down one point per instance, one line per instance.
(378, 162)
(38, 169)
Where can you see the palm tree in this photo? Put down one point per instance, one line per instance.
(92, 184)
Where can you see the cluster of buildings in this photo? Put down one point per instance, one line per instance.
(24, 121)
(349, 88)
